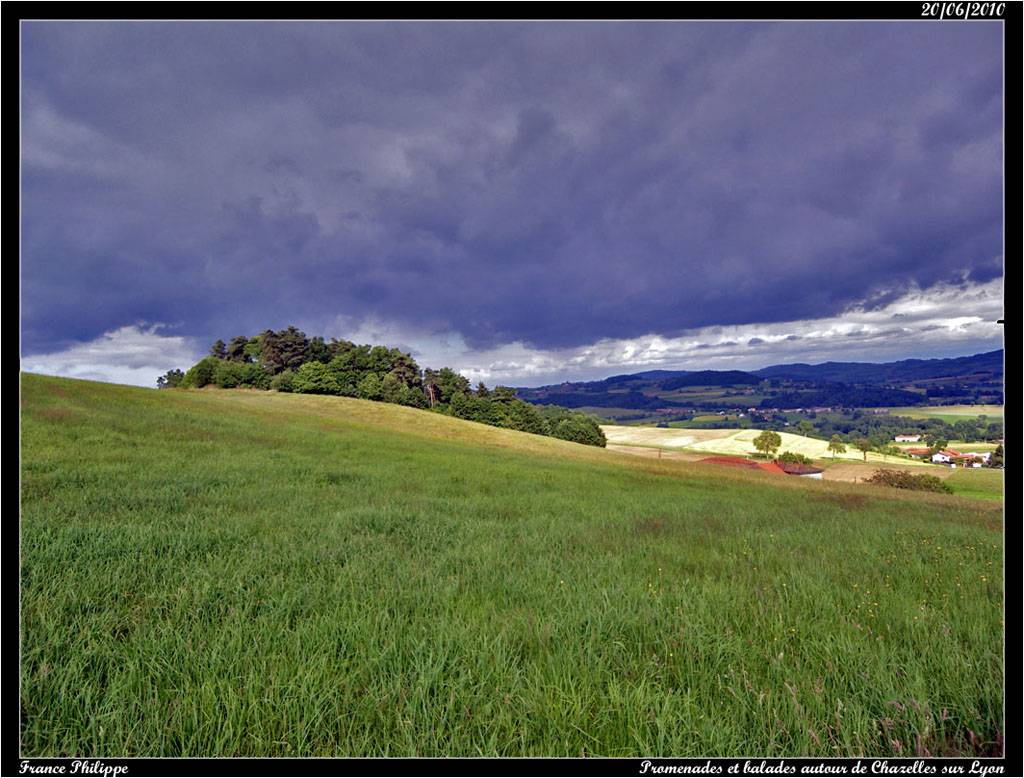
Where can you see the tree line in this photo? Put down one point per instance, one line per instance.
(768, 442)
(287, 361)
(878, 428)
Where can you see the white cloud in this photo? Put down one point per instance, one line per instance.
(942, 321)
(135, 355)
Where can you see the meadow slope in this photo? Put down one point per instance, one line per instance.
(248, 573)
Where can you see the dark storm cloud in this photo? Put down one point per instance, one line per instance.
(553, 184)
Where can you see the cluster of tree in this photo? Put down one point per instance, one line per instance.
(996, 460)
(984, 392)
(881, 428)
(288, 361)
(768, 442)
(170, 379)
(631, 399)
(901, 479)
(799, 459)
(710, 378)
(501, 408)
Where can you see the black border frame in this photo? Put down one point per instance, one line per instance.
(16, 11)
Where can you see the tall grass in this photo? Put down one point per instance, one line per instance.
(240, 573)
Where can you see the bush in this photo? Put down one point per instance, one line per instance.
(800, 459)
(283, 381)
(171, 379)
(412, 397)
(256, 377)
(201, 373)
(315, 378)
(228, 375)
(370, 387)
(901, 479)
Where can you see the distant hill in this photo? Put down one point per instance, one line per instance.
(989, 364)
(711, 378)
(908, 382)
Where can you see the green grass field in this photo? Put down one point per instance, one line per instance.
(981, 483)
(247, 573)
(950, 414)
(965, 445)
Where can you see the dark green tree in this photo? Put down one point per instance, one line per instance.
(864, 446)
(805, 427)
(370, 387)
(445, 382)
(996, 460)
(391, 388)
(935, 443)
(836, 446)
(283, 350)
(254, 348)
(283, 381)
(170, 380)
(236, 349)
(503, 394)
(318, 351)
(201, 373)
(767, 442)
(404, 368)
(314, 378)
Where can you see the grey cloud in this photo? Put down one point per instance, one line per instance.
(550, 184)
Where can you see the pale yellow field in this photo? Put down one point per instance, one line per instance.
(736, 443)
(660, 437)
(938, 411)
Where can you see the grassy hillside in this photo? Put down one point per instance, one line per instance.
(249, 573)
(981, 483)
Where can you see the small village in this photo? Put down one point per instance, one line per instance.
(945, 456)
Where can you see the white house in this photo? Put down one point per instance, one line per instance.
(907, 438)
(953, 458)
(975, 458)
(984, 456)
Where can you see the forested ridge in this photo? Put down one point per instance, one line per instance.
(288, 361)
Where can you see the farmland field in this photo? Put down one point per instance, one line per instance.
(235, 572)
(963, 445)
(949, 413)
(736, 443)
(956, 445)
(980, 483)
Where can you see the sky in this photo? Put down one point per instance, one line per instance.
(524, 202)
